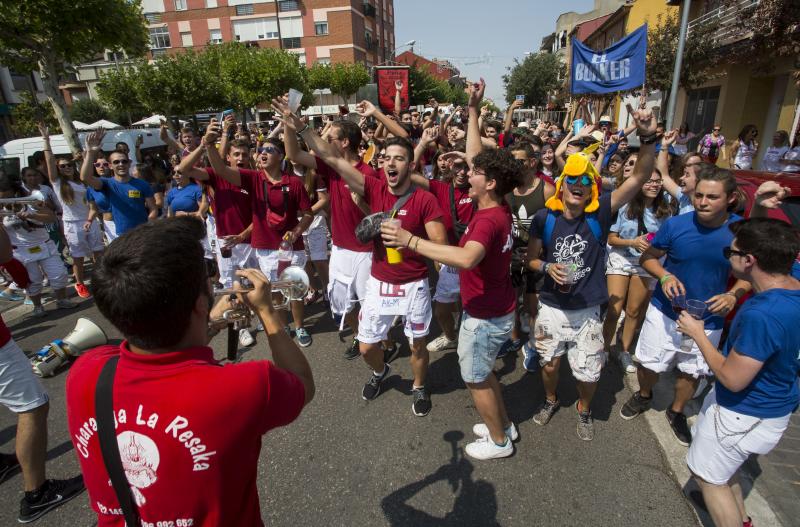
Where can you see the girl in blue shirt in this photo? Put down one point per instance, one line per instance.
(185, 197)
(630, 235)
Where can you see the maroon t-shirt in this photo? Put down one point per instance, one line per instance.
(420, 209)
(230, 206)
(345, 215)
(486, 290)
(267, 235)
(463, 203)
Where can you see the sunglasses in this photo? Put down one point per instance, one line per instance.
(717, 129)
(604, 123)
(268, 150)
(654, 182)
(121, 162)
(103, 164)
(727, 252)
(584, 180)
(65, 165)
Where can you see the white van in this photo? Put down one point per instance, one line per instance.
(18, 154)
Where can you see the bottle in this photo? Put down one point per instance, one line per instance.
(284, 255)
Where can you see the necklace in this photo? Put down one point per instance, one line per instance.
(729, 438)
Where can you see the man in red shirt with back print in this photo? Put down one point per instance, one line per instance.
(170, 398)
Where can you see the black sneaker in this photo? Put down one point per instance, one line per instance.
(636, 405)
(422, 402)
(677, 421)
(373, 387)
(390, 353)
(8, 465)
(352, 351)
(52, 494)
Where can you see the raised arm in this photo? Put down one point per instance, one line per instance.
(49, 158)
(367, 109)
(188, 165)
(646, 127)
(217, 163)
(662, 164)
(294, 153)
(429, 136)
(474, 145)
(167, 138)
(769, 196)
(93, 142)
(398, 103)
(508, 122)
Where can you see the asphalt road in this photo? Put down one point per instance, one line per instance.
(348, 462)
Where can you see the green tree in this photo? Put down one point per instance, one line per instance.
(346, 79)
(117, 92)
(424, 87)
(29, 113)
(89, 111)
(319, 76)
(535, 77)
(47, 35)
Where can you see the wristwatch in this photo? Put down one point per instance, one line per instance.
(647, 139)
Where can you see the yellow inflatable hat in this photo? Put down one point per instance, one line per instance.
(577, 164)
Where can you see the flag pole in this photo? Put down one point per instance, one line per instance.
(676, 73)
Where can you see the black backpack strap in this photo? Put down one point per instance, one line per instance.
(285, 192)
(106, 435)
(453, 213)
(402, 200)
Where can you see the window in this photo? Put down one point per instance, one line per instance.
(186, 39)
(180, 5)
(301, 58)
(246, 9)
(115, 56)
(152, 18)
(215, 36)
(288, 5)
(324, 61)
(291, 27)
(291, 43)
(21, 81)
(321, 28)
(255, 29)
(211, 3)
(159, 37)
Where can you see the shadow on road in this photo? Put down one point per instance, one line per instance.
(475, 501)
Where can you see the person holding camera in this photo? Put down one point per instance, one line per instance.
(177, 418)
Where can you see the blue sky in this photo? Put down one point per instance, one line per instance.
(490, 33)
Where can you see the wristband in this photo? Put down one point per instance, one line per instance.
(732, 294)
(647, 139)
(417, 244)
(300, 132)
(408, 243)
(664, 279)
(546, 268)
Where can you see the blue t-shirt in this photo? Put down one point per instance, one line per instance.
(765, 329)
(796, 270)
(694, 256)
(685, 204)
(99, 199)
(573, 242)
(628, 229)
(186, 199)
(127, 201)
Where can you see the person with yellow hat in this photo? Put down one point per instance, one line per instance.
(567, 243)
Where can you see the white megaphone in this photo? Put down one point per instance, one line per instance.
(86, 335)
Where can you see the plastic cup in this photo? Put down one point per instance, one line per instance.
(393, 255)
(570, 270)
(294, 99)
(679, 304)
(697, 309)
(577, 124)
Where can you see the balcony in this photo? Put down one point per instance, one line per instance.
(369, 10)
(721, 25)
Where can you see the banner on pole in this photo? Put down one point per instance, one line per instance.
(386, 77)
(618, 68)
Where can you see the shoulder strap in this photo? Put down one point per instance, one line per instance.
(403, 199)
(285, 192)
(549, 225)
(453, 213)
(104, 412)
(594, 226)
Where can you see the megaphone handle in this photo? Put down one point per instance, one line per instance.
(233, 343)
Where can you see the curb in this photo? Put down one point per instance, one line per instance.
(758, 508)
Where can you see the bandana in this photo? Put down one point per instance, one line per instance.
(577, 164)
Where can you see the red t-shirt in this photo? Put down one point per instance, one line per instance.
(463, 203)
(486, 290)
(420, 209)
(345, 215)
(5, 334)
(189, 431)
(266, 236)
(231, 205)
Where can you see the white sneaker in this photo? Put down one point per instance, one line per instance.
(245, 338)
(38, 312)
(485, 448)
(481, 430)
(259, 326)
(626, 362)
(65, 304)
(442, 343)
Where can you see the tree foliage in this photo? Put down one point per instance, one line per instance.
(89, 111)
(319, 76)
(29, 113)
(535, 77)
(425, 87)
(662, 48)
(774, 26)
(346, 79)
(46, 35)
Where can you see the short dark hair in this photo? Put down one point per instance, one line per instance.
(524, 146)
(402, 142)
(350, 131)
(123, 143)
(403, 112)
(149, 279)
(501, 166)
(774, 243)
(241, 144)
(709, 172)
(372, 126)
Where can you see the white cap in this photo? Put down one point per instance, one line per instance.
(523, 124)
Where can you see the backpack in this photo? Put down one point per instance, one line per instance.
(550, 223)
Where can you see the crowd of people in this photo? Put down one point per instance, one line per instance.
(550, 239)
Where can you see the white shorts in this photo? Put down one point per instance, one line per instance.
(268, 261)
(619, 264)
(448, 288)
(316, 241)
(45, 261)
(659, 346)
(20, 389)
(412, 301)
(716, 458)
(80, 242)
(109, 231)
(242, 257)
(348, 275)
(578, 333)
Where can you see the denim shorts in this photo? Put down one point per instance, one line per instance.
(479, 340)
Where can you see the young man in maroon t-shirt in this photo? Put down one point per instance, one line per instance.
(181, 420)
(277, 199)
(393, 289)
(484, 257)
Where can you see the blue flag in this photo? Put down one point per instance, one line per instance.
(618, 68)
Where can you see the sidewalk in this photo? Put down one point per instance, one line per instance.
(771, 483)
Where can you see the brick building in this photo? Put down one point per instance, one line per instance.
(441, 69)
(318, 31)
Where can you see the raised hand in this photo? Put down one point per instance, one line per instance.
(645, 122)
(139, 140)
(212, 133)
(44, 131)
(398, 85)
(771, 194)
(429, 135)
(95, 139)
(366, 108)
(476, 91)
(284, 115)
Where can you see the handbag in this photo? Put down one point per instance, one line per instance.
(370, 226)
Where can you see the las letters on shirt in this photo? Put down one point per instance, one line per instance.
(617, 68)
